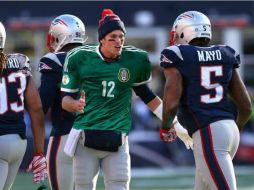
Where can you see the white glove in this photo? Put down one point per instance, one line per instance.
(182, 133)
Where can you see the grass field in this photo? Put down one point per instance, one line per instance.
(155, 179)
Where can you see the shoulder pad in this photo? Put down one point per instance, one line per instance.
(233, 51)
(83, 48)
(52, 62)
(235, 54)
(171, 56)
(18, 61)
(133, 49)
(176, 51)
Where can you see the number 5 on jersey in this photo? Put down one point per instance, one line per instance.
(206, 72)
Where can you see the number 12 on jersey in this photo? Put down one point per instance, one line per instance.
(107, 89)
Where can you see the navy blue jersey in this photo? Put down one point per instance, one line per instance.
(206, 73)
(51, 68)
(13, 83)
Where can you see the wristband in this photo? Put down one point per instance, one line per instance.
(158, 111)
(39, 154)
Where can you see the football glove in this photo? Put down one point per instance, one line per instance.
(182, 133)
(38, 166)
(168, 135)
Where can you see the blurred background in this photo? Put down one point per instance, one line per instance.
(148, 24)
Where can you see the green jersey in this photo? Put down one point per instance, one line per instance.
(108, 85)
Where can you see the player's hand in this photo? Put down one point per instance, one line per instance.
(38, 166)
(182, 133)
(168, 135)
(81, 102)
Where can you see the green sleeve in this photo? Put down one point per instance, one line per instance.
(144, 74)
(70, 80)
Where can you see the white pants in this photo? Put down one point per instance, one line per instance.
(60, 166)
(115, 167)
(214, 149)
(12, 150)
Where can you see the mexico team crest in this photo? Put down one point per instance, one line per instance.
(65, 79)
(123, 75)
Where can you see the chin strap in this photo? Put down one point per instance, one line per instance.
(60, 44)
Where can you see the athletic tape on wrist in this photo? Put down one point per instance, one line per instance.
(158, 111)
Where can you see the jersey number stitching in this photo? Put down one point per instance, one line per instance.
(14, 106)
(111, 86)
(206, 72)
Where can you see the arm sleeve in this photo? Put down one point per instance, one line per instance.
(236, 57)
(48, 89)
(73, 95)
(70, 80)
(144, 67)
(144, 92)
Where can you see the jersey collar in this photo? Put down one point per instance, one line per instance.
(104, 58)
(99, 53)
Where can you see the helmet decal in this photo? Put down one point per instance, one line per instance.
(184, 15)
(59, 21)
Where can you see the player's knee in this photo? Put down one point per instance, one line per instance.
(85, 179)
(118, 177)
(117, 185)
(84, 187)
(84, 184)
(118, 182)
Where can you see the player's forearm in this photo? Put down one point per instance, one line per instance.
(168, 118)
(241, 98)
(155, 106)
(243, 108)
(37, 125)
(34, 107)
(171, 97)
(72, 105)
(170, 105)
(68, 104)
(242, 117)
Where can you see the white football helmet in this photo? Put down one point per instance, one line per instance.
(190, 25)
(2, 36)
(63, 30)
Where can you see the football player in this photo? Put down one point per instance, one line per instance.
(107, 73)
(65, 33)
(18, 92)
(199, 79)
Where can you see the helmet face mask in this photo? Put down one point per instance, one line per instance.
(50, 41)
(65, 29)
(2, 36)
(173, 37)
(188, 26)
